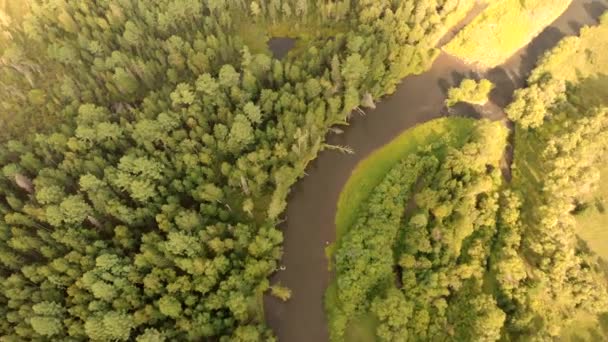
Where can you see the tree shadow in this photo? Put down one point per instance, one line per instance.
(590, 92)
(444, 85)
(575, 26)
(463, 109)
(544, 42)
(505, 85)
(595, 9)
(507, 162)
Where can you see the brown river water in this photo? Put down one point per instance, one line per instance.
(309, 218)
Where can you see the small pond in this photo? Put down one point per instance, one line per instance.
(280, 46)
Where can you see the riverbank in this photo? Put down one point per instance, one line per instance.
(365, 178)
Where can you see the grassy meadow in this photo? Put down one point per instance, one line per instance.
(577, 57)
(503, 28)
(593, 221)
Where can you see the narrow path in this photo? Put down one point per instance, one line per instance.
(311, 206)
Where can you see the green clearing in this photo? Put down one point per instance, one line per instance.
(370, 172)
(256, 35)
(362, 329)
(593, 221)
(503, 28)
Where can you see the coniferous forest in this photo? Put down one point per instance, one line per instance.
(148, 149)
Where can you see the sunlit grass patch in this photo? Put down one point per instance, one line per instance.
(576, 58)
(503, 28)
(593, 221)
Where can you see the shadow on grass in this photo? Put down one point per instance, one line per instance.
(590, 92)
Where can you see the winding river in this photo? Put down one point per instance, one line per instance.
(309, 218)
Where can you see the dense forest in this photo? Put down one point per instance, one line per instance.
(444, 248)
(148, 149)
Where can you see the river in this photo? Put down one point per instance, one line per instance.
(309, 218)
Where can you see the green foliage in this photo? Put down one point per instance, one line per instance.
(475, 316)
(46, 326)
(560, 146)
(170, 306)
(448, 236)
(151, 335)
(370, 172)
(577, 57)
(281, 292)
(150, 151)
(393, 313)
(531, 105)
(470, 91)
(112, 326)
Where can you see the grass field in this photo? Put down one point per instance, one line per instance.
(15, 9)
(593, 222)
(575, 58)
(11, 13)
(502, 29)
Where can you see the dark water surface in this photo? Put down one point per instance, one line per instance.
(280, 46)
(309, 219)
